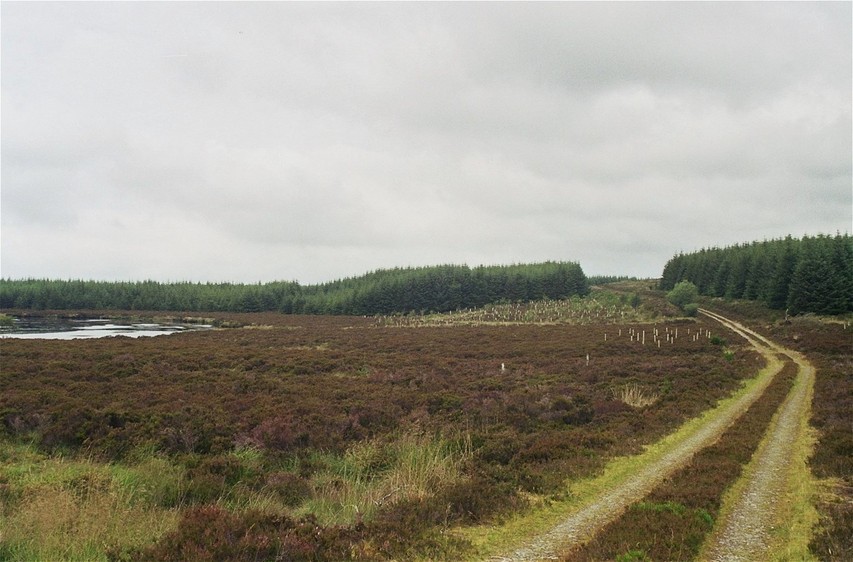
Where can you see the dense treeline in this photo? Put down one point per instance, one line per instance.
(424, 289)
(608, 279)
(812, 274)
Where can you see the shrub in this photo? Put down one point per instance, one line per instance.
(417, 524)
(290, 488)
(212, 478)
(683, 294)
(212, 533)
(281, 433)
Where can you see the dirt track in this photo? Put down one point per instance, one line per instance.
(745, 532)
(590, 517)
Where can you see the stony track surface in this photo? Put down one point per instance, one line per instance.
(589, 518)
(744, 533)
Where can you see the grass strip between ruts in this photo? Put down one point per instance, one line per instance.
(672, 522)
(488, 541)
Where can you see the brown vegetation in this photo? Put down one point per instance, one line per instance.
(314, 397)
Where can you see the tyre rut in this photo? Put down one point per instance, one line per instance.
(745, 530)
(593, 515)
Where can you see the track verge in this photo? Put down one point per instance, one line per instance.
(628, 480)
(767, 512)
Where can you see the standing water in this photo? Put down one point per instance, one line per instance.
(55, 328)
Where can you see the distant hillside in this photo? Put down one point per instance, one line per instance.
(423, 289)
(812, 274)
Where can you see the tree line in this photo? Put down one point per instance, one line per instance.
(812, 274)
(400, 290)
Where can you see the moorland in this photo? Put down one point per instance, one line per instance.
(400, 436)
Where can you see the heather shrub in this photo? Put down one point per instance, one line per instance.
(210, 478)
(212, 533)
(281, 433)
(290, 488)
(500, 449)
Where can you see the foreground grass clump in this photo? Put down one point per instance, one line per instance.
(374, 473)
(381, 499)
(378, 499)
(55, 508)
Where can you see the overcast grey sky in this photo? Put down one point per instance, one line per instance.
(312, 141)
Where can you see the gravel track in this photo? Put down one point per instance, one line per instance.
(589, 518)
(744, 531)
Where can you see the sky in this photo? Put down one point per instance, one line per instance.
(252, 142)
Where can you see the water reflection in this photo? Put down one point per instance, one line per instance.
(53, 328)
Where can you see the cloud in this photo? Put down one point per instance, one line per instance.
(259, 141)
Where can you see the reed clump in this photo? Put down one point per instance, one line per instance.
(633, 395)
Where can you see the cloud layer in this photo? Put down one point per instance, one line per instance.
(312, 141)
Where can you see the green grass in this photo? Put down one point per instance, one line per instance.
(54, 508)
(64, 508)
(376, 473)
(801, 518)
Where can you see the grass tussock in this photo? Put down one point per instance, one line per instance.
(375, 473)
(633, 395)
(62, 509)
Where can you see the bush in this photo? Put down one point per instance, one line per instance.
(290, 488)
(211, 533)
(212, 478)
(683, 294)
